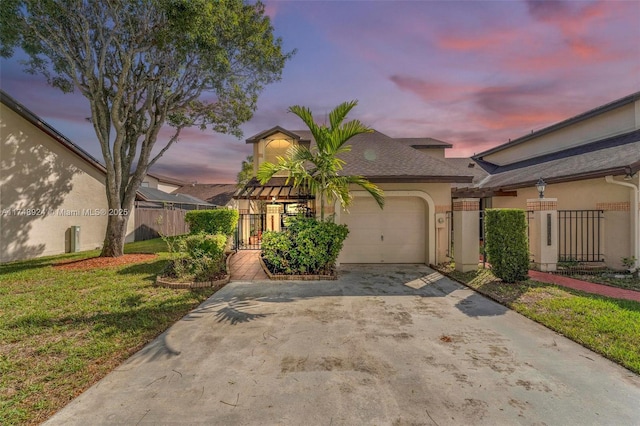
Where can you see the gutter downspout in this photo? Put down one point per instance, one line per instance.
(634, 214)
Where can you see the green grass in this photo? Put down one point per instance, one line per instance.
(632, 283)
(156, 245)
(608, 326)
(61, 331)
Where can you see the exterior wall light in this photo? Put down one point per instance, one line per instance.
(541, 185)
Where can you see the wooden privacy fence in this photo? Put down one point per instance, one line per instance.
(152, 222)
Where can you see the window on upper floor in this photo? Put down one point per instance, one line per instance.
(276, 148)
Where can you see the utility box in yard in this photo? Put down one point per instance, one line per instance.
(74, 236)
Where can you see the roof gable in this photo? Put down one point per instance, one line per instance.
(277, 129)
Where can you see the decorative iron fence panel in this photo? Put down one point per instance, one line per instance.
(249, 231)
(579, 235)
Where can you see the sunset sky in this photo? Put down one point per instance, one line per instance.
(472, 73)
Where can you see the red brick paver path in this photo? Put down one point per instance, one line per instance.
(245, 266)
(603, 290)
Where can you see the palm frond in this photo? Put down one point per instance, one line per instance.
(339, 113)
(306, 116)
(371, 188)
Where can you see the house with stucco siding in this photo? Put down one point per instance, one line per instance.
(590, 164)
(49, 187)
(417, 186)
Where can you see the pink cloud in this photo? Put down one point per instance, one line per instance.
(432, 90)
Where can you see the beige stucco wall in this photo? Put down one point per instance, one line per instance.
(611, 123)
(167, 187)
(151, 181)
(260, 148)
(39, 175)
(592, 194)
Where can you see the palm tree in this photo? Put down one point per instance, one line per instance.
(317, 168)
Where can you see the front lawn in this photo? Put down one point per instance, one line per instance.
(608, 326)
(62, 330)
(611, 279)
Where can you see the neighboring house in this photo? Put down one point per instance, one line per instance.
(155, 198)
(162, 214)
(412, 226)
(163, 183)
(590, 163)
(218, 194)
(47, 185)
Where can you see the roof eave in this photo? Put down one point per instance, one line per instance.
(614, 171)
(420, 179)
(277, 129)
(32, 118)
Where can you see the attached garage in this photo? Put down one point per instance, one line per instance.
(397, 234)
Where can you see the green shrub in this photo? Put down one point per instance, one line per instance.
(507, 245)
(218, 221)
(307, 246)
(200, 257)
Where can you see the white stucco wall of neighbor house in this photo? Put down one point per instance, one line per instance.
(45, 189)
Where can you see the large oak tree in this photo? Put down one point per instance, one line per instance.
(145, 64)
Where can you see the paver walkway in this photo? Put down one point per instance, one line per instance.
(245, 266)
(603, 290)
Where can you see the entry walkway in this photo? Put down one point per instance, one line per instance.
(603, 290)
(245, 266)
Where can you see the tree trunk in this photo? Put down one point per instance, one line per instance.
(114, 238)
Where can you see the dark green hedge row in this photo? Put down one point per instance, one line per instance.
(219, 221)
(307, 246)
(507, 244)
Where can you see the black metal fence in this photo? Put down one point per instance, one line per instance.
(579, 235)
(249, 231)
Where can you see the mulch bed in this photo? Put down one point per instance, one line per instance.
(104, 262)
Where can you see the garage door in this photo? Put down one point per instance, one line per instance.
(396, 234)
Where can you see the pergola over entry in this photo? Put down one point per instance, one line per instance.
(275, 189)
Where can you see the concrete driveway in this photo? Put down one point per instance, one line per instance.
(385, 345)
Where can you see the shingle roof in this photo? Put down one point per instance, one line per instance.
(215, 193)
(611, 156)
(424, 142)
(167, 179)
(468, 166)
(153, 194)
(380, 158)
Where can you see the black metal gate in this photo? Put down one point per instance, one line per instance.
(579, 234)
(249, 232)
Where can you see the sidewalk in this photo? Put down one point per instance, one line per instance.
(603, 290)
(245, 266)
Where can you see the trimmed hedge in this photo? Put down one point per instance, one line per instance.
(507, 244)
(219, 221)
(307, 246)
